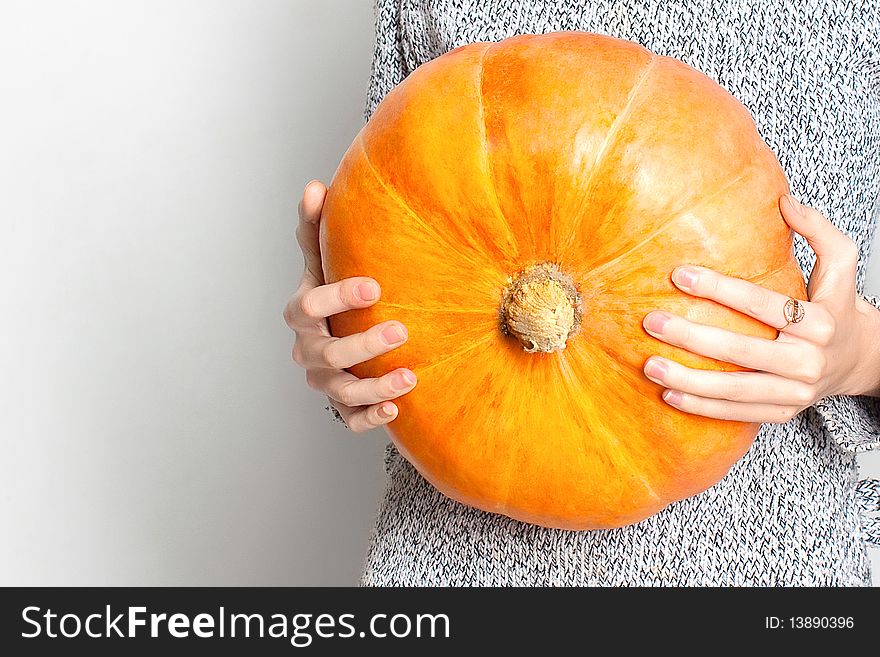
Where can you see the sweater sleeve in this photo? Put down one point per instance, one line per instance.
(388, 68)
(852, 421)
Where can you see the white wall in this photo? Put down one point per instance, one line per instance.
(152, 427)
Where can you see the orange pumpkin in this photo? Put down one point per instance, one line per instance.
(522, 205)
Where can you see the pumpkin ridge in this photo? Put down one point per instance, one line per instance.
(624, 455)
(675, 215)
(609, 306)
(605, 148)
(487, 159)
(437, 309)
(455, 354)
(768, 274)
(395, 194)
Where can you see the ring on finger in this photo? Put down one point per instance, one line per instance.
(793, 311)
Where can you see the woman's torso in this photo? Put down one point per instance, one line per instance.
(810, 75)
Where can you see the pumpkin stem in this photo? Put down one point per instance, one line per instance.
(541, 308)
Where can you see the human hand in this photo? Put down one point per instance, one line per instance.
(834, 350)
(363, 403)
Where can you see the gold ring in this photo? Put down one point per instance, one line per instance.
(793, 312)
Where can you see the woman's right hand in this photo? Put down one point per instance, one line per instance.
(363, 403)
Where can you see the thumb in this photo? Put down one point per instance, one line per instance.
(837, 256)
(307, 232)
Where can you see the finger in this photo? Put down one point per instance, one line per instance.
(822, 235)
(340, 353)
(750, 299)
(837, 255)
(313, 305)
(364, 418)
(728, 410)
(349, 390)
(307, 232)
(750, 387)
(777, 357)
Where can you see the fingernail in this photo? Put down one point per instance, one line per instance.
(393, 334)
(387, 410)
(402, 380)
(672, 397)
(685, 277)
(656, 369)
(795, 204)
(656, 321)
(367, 291)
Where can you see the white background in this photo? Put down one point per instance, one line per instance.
(153, 430)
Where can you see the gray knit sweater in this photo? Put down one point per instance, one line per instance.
(792, 511)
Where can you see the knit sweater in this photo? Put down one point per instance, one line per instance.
(792, 511)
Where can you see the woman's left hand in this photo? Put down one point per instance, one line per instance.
(835, 350)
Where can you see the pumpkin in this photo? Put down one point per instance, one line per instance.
(522, 205)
